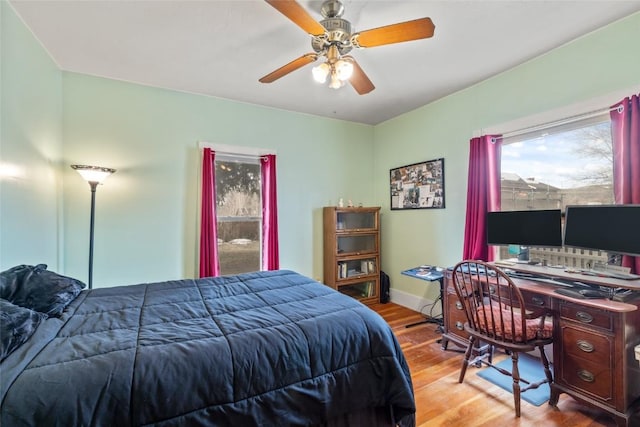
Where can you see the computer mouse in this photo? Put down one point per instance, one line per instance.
(438, 268)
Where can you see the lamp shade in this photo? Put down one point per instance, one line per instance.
(344, 69)
(335, 82)
(321, 72)
(93, 173)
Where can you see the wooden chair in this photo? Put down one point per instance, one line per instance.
(495, 313)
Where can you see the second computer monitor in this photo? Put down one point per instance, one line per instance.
(611, 228)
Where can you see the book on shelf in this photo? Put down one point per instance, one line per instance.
(364, 267)
(367, 290)
(342, 270)
(372, 288)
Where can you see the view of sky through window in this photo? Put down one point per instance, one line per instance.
(570, 159)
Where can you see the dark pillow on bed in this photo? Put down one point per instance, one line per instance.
(42, 290)
(12, 279)
(17, 324)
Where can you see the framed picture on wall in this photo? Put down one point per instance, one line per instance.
(418, 186)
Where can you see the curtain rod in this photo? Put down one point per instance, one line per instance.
(566, 120)
(244, 156)
(237, 150)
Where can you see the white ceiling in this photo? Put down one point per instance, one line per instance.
(221, 48)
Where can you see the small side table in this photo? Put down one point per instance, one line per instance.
(430, 274)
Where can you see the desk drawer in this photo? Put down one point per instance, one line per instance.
(455, 317)
(592, 347)
(588, 377)
(589, 346)
(532, 299)
(586, 315)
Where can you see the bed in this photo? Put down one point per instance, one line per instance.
(256, 349)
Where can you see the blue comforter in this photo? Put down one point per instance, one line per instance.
(258, 349)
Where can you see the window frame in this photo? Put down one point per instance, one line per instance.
(223, 151)
(565, 256)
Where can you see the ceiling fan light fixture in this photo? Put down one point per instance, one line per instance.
(335, 82)
(344, 69)
(320, 72)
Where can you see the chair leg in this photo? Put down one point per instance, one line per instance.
(545, 363)
(467, 357)
(515, 373)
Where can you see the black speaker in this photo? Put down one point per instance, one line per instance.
(385, 283)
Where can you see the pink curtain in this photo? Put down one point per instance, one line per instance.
(483, 195)
(625, 135)
(209, 263)
(270, 255)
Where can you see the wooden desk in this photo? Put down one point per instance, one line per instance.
(594, 341)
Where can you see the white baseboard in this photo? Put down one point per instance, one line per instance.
(416, 303)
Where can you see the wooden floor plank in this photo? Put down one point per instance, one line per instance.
(442, 401)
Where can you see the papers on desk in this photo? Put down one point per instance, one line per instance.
(430, 274)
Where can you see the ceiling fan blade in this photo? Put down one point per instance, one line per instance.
(305, 59)
(395, 33)
(359, 80)
(298, 15)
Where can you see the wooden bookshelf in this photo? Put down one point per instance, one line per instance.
(352, 251)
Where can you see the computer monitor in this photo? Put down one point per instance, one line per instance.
(611, 228)
(525, 228)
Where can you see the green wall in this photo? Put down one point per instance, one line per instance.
(592, 66)
(30, 148)
(146, 215)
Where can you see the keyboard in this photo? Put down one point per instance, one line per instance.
(557, 281)
(546, 280)
(560, 282)
(534, 277)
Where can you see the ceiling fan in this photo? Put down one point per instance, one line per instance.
(333, 38)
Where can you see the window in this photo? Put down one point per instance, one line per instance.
(567, 164)
(246, 194)
(239, 208)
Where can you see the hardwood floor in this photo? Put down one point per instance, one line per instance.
(442, 401)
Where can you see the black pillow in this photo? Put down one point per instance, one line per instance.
(12, 279)
(17, 324)
(41, 290)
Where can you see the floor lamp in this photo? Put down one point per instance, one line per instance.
(94, 175)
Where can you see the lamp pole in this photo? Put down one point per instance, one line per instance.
(93, 185)
(94, 175)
